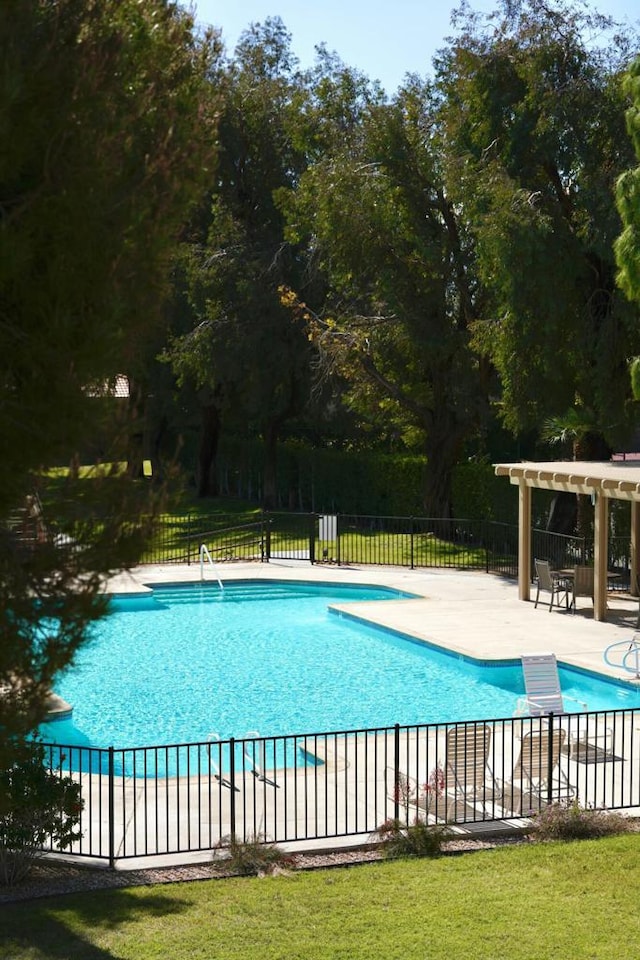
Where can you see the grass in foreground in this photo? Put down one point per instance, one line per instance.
(545, 901)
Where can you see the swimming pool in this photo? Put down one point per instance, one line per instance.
(270, 656)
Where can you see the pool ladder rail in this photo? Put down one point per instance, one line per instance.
(215, 738)
(625, 655)
(255, 755)
(205, 555)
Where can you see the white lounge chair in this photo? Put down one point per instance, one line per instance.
(467, 786)
(537, 775)
(544, 696)
(469, 782)
(543, 693)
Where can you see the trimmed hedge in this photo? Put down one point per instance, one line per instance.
(369, 483)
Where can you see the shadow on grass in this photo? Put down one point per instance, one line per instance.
(54, 927)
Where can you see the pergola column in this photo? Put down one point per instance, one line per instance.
(635, 546)
(524, 540)
(600, 556)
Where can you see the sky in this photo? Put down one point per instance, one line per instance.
(385, 39)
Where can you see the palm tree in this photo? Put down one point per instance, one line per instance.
(580, 427)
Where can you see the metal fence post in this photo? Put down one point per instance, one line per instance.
(550, 762)
(267, 537)
(338, 538)
(232, 781)
(396, 772)
(312, 538)
(112, 811)
(412, 531)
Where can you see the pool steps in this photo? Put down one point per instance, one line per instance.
(57, 708)
(231, 594)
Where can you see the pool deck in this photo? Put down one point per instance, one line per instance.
(474, 614)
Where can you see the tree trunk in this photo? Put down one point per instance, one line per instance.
(135, 437)
(270, 435)
(563, 514)
(160, 430)
(206, 469)
(441, 447)
(589, 446)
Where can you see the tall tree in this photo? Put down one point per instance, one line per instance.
(103, 108)
(378, 221)
(245, 352)
(627, 245)
(534, 118)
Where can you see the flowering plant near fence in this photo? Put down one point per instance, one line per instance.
(405, 837)
(434, 788)
(406, 793)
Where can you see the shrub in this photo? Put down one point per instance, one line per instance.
(254, 857)
(571, 821)
(417, 839)
(37, 807)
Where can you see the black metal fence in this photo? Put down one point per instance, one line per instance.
(190, 798)
(178, 539)
(350, 539)
(347, 539)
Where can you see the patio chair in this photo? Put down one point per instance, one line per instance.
(543, 693)
(582, 585)
(556, 585)
(537, 776)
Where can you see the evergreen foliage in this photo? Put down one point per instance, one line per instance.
(37, 806)
(627, 246)
(536, 117)
(104, 104)
(246, 354)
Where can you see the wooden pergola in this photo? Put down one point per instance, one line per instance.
(602, 482)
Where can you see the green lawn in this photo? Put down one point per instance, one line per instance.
(232, 529)
(530, 902)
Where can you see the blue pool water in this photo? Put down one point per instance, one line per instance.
(271, 657)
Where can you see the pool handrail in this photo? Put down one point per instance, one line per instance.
(204, 554)
(632, 651)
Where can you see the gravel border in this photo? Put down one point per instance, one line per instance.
(50, 879)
